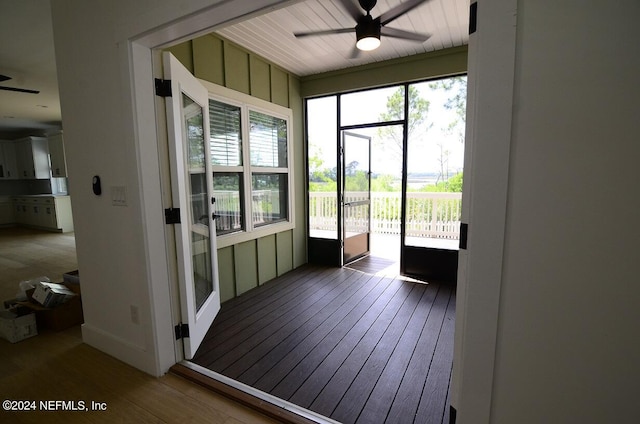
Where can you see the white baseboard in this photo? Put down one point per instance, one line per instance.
(128, 353)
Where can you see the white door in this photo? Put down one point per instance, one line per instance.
(191, 188)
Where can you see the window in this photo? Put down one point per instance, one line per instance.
(269, 195)
(252, 170)
(377, 108)
(228, 192)
(225, 144)
(268, 140)
(269, 177)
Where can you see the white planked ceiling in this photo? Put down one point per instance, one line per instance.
(271, 35)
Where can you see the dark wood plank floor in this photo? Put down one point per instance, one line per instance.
(350, 345)
(376, 265)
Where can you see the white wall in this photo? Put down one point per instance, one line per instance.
(566, 341)
(110, 132)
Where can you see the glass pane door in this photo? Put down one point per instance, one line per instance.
(356, 195)
(191, 190)
(433, 190)
(199, 216)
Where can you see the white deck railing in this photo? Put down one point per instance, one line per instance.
(429, 215)
(265, 205)
(432, 215)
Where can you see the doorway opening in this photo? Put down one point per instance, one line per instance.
(408, 198)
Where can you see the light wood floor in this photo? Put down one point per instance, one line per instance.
(59, 367)
(26, 254)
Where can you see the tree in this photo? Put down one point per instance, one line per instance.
(380, 183)
(418, 111)
(356, 181)
(452, 185)
(316, 171)
(320, 178)
(457, 102)
(443, 160)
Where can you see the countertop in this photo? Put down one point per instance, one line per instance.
(5, 198)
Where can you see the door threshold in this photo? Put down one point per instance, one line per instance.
(269, 405)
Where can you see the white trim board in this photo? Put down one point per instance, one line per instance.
(266, 397)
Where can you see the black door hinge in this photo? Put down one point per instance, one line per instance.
(464, 229)
(182, 331)
(172, 216)
(163, 87)
(473, 18)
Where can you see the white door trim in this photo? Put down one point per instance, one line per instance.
(491, 70)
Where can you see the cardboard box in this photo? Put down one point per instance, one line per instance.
(51, 295)
(11, 302)
(71, 277)
(60, 317)
(15, 327)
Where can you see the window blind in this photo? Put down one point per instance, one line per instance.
(226, 134)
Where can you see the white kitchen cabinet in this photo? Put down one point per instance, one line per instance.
(33, 158)
(7, 215)
(47, 212)
(8, 161)
(2, 161)
(57, 155)
(20, 207)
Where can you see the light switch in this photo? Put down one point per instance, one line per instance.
(119, 196)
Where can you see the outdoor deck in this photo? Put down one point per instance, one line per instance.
(358, 347)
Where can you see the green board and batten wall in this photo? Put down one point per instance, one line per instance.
(436, 64)
(246, 265)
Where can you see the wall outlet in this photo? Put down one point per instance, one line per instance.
(135, 315)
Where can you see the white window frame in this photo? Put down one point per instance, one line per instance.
(247, 103)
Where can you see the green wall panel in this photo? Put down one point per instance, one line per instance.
(284, 251)
(246, 266)
(184, 53)
(300, 157)
(260, 78)
(267, 266)
(226, 273)
(436, 64)
(236, 68)
(279, 87)
(208, 59)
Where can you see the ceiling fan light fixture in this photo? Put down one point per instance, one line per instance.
(368, 34)
(368, 43)
(368, 29)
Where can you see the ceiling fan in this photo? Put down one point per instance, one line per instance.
(19, 90)
(368, 30)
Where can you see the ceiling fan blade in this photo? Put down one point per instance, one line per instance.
(353, 9)
(399, 10)
(325, 32)
(20, 90)
(406, 35)
(355, 53)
